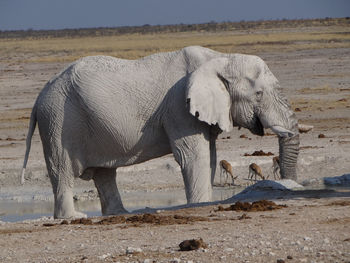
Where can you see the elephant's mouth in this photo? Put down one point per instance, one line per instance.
(258, 128)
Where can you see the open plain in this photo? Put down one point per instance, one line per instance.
(311, 61)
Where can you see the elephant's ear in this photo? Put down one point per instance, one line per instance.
(207, 96)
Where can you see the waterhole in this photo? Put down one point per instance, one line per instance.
(14, 211)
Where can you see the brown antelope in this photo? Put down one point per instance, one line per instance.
(225, 167)
(255, 170)
(276, 167)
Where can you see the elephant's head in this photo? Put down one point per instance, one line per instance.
(240, 90)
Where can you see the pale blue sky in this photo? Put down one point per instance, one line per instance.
(60, 14)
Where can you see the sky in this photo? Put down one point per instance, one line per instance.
(61, 14)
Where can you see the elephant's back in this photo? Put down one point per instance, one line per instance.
(100, 64)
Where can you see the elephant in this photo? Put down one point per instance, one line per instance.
(101, 113)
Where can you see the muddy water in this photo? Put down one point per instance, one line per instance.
(13, 211)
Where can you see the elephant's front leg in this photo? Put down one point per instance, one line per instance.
(105, 182)
(192, 152)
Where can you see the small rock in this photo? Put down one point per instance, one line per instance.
(175, 260)
(272, 254)
(244, 216)
(289, 257)
(321, 136)
(280, 260)
(192, 244)
(305, 248)
(147, 260)
(229, 249)
(104, 256)
(132, 250)
(307, 238)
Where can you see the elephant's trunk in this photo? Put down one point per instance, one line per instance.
(288, 151)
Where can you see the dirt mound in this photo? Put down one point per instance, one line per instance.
(112, 220)
(262, 205)
(259, 153)
(164, 220)
(192, 244)
(136, 220)
(339, 203)
(83, 221)
(153, 219)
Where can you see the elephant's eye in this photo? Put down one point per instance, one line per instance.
(259, 95)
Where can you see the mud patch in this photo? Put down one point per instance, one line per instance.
(152, 219)
(192, 244)
(83, 221)
(259, 153)
(339, 203)
(49, 224)
(137, 220)
(262, 205)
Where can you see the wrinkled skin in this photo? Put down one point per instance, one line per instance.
(101, 113)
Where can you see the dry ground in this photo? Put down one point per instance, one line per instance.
(313, 230)
(313, 66)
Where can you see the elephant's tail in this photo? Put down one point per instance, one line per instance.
(31, 129)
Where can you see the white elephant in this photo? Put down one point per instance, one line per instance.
(102, 113)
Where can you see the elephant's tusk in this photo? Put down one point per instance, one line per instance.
(303, 128)
(282, 132)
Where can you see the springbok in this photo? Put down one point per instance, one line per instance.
(276, 167)
(225, 167)
(255, 170)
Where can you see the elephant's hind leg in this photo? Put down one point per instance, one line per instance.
(105, 182)
(62, 185)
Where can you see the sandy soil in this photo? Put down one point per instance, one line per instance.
(313, 227)
(312, 230)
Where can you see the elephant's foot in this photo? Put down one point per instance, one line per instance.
(64, 206)
(105, 182)
(110, 211)
(74, 215)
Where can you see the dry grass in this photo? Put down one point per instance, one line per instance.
(325, 89)
(133, 46)
(319, 104)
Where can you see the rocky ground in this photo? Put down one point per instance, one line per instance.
(313, 226)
